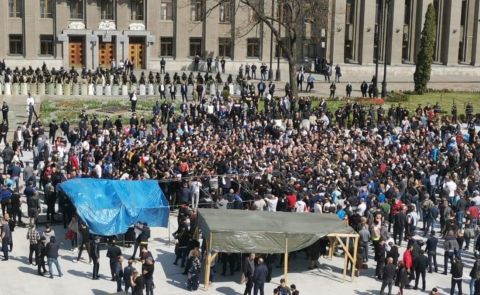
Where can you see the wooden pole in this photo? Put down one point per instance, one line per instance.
(354, 262)
(285, 263)
(208, 262)
(346, 258)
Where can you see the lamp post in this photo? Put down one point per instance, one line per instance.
(386, 48)
(270, 71)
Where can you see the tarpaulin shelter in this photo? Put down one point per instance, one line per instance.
(239, 231)
(110, 207)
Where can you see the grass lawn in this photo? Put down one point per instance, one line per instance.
(59, 108)
(445, 100)
(65, 108)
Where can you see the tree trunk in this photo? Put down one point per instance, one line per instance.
(292, 73)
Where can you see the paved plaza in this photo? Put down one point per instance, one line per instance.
(18, 277)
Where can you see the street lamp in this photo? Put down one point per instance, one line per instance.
(386, 48)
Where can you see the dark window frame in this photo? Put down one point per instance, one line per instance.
(137, 6)
(15, 8)
(107, 9)
(225, 47)
(77, 9)
(196, 10)
(15, 44)
(197, 42)
(225, 12)
(46, 8)
(47, 45)
(253, 47)
(166, 10)
(167, 46)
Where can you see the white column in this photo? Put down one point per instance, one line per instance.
(453, 34)
(337, 32)
(395, 32)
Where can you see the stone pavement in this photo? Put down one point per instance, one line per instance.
(18, 277)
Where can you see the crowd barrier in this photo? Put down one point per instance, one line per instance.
(69, 89)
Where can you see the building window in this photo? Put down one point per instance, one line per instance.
(15, 8)
(46, 8)
(309, 48)
(195, 46)
(253, 47)
(166, 10)
(196, 10)
(16, 44)
(107, 9)
(406, 32)
(225, 11)
(225, 47)
(278, 48)
(46, 44)
(166, 46)
(76, 9)
(136, 9)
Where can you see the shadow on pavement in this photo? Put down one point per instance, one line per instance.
(227, 291)
(80, 273)
(368, 292)
(23, 259)
(27, 270)
(173, 273)
(100, 292)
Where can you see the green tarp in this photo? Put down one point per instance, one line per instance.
(239, 231)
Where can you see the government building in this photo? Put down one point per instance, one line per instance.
(92, 33)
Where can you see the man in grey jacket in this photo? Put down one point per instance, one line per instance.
(52, 256)
(450, 246)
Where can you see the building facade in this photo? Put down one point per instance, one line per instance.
(90, 33)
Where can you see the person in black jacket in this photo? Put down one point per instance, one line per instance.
(399, 223)
(259, 277)
(420, 264)
(473, 276)
(457, 274)
(113, 253)
(127, 275)
(388, 276)
(431, 250)
(380, 253)
(393, 253)
(248, 270)
(41, 253)
(94, 252)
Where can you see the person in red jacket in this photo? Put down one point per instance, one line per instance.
(408, 260)
(291, 201)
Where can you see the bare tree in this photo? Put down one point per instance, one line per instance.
(287, 24)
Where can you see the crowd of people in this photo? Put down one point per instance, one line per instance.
(380, 169)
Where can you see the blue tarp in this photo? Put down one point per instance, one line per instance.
(110, 207)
